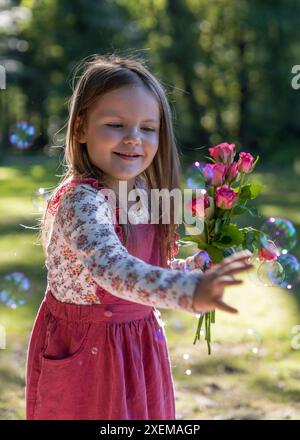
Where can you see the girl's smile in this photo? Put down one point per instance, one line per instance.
(127, 156)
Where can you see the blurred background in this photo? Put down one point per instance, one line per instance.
(227, 71)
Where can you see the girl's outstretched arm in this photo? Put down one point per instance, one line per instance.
(85, 221)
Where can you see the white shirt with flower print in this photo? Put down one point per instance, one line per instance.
(83, 251)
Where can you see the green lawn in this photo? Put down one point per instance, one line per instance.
(251, 374)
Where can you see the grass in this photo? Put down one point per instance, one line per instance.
(253, 372)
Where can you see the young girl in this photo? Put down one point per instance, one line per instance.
(98, 349)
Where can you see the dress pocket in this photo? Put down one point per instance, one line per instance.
(65, 341)
(63, 387)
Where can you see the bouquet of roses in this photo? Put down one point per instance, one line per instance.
(226, 195)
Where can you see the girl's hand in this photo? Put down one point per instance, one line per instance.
(209, 292)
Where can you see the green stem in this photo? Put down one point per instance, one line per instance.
(241, 184)
(206, 232)
(207, 331)
(200, 322)
(208, 317)
(238, 198)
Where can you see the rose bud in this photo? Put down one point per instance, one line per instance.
(245, 162)
(231, 173)
(223, 153)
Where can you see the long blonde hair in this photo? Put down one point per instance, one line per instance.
(102, 74)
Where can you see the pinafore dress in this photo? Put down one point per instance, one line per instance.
(107, 361)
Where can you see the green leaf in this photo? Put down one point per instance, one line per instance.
(249, 228)
(249, 240)
(210, 158)
(199, 239)
(250, 191)
(242, 209)
(235, 185)
(214, 253)
(230, 235)
(218, 225)
(210, 191)
(239, 210)
(185, 243)
(224, 244)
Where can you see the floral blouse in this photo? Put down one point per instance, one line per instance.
(84, 251)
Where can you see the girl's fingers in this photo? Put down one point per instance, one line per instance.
(225, 307)
(234, 268)
(244, 259)
(224, 282)
(225, 278)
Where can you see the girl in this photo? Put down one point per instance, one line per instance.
(97, 348)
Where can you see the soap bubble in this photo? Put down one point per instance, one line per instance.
(195, 178)
(254, 334)
(291, 268)
(279, 231)
(13, 289)
(177, 325)
(266, 273)
(270, 273)
(252, 274)
(22, 135)
(39, 199)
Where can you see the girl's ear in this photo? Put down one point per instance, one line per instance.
(80, 130)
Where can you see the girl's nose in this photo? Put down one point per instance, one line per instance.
(133, 135)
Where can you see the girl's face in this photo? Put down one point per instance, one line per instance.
(125, 121)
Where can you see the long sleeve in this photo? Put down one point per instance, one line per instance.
(177, 264)
(85, 220)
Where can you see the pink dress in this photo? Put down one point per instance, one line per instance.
(105, 358)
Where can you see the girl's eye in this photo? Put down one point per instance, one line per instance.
(114, 125)
(119, 125)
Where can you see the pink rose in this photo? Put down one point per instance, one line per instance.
(245, 162)
(225, 197)
(223, 153)
(231, 173)
(214, 173)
